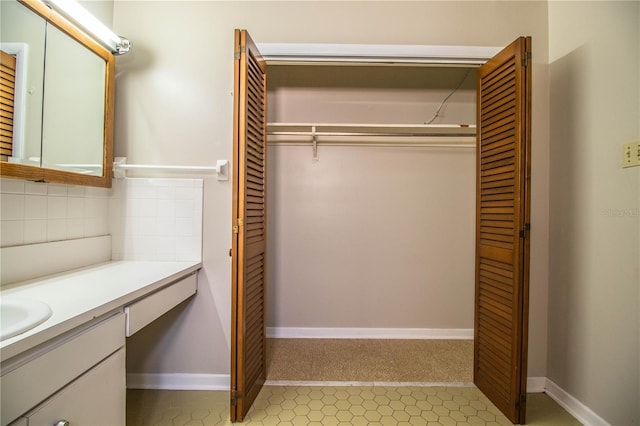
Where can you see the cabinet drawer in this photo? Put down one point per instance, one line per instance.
(144, 311)
(97, 398)
(33, 382)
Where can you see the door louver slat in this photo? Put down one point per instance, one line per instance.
(7, 100)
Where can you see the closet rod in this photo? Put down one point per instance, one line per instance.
(375, 144)
(360, 134)
(389, 135)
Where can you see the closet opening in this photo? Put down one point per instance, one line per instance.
(369, 241)
(371, 222)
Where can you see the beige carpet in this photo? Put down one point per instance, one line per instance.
(370, 360)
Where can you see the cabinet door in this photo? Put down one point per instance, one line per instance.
(96, 398)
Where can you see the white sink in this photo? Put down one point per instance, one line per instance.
(18, 315)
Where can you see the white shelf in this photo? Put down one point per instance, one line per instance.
(384, 54)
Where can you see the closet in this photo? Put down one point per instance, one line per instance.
(370, 210)
(377, 215)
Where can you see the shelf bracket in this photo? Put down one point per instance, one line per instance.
(314, 141)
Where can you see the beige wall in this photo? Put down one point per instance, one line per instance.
(371, 237)
(174, 105)
(593, 288)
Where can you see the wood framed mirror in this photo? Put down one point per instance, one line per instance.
(75, 101)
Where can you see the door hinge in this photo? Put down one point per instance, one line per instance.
(235, 396)
(522, 401)
(527, 228)
(526, 58)
(236, 227)
(237, 53)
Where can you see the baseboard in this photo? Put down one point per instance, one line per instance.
(308, 383)
(221, 382)
(536, 384)
(369, 333)
(574, 407)
(178, 381)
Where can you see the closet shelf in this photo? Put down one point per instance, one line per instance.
(435, 135)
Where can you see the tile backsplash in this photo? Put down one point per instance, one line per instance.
(157, 219)
(36, 212)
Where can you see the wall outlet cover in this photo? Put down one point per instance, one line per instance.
(631, 154)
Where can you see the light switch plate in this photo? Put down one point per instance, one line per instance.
(631, 154)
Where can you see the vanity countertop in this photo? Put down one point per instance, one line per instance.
(78, 296)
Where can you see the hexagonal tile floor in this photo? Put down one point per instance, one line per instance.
(359, 405)
(336, 405)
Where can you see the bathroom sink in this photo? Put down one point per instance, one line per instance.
(18, 315)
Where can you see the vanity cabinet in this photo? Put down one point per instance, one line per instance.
(96, 398)
(79, 376)
(66, 379)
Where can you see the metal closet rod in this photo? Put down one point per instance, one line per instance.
(428, 135)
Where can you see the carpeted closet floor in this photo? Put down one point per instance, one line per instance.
(366, 360)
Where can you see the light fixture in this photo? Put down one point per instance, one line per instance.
(72, 10)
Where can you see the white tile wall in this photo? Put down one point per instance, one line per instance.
(149, 219)
(35, 212)
(157, 219)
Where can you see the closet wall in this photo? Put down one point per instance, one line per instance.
(370, 236)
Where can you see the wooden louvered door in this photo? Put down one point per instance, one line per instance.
(502, 229)
(249, 227)
(7, 101)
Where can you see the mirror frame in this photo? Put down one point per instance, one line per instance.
(42, 174)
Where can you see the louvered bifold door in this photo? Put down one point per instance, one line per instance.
(502, 229)
(7, 100)
(249, 224)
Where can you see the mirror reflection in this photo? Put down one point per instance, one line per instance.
(56, 107)
(73, 106)
(22, 41)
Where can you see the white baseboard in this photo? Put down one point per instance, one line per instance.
(536, 384)
(369, 333)
(574, 407)
(221, 382)
(179, 381)
(367, 384)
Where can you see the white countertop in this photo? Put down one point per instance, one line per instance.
(78, 296)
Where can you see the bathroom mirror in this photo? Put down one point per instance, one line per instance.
(62, 111)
